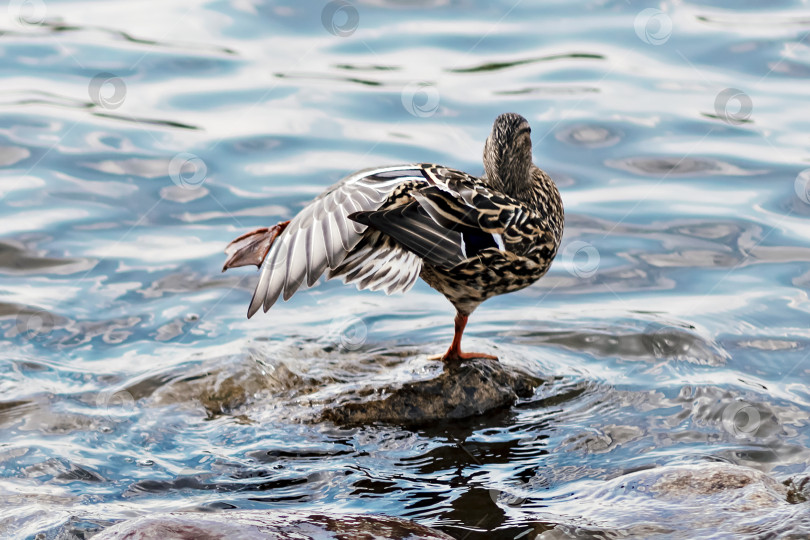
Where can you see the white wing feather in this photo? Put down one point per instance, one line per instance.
(379, 263)
(321, 236)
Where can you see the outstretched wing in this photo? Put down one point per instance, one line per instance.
(448, 224)
(379, 262)
(321, 235)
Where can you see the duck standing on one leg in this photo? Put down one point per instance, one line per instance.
(469, 238)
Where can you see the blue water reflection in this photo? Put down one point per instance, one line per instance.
(672, 329)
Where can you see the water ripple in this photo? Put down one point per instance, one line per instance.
(669, 340)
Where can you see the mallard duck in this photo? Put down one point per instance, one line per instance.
(469, 238)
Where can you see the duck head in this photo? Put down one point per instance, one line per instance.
(508, 155)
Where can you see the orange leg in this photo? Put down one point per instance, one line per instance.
(454, 353)
(252, 247)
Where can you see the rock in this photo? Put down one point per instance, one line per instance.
(459, 391)
(750, 488)
(221, 386)
(352, 388)
(698, 500)
(260, 524)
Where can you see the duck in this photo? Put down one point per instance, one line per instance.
(469, 238)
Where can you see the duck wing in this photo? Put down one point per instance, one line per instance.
(379, 262)
(446, 224)
(321, 235)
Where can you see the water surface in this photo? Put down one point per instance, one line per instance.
(138, 138)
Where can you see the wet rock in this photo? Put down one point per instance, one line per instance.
(798, 489)
(707, 499)
(259, 524)
(307, 384)
(459, 391)
(751, 488)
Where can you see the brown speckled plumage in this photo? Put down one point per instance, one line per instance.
(469, 238)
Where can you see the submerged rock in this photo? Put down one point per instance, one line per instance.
(260, 524)
(698, 500)
(229, 385)
(459, 391)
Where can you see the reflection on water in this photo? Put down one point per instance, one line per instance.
(670, 340)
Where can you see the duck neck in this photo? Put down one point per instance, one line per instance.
(536, 190)
(518, 186)
(545, 198)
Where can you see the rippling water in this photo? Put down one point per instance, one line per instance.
(138, 138)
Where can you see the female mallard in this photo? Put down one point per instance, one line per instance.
(469, 238)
